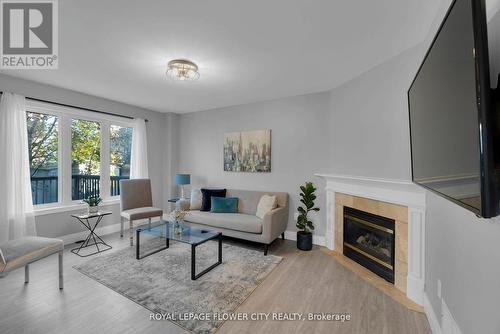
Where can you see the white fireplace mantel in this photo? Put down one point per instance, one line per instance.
(400, 192)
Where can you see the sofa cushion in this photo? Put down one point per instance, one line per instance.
(224, 205)
(266, 204)
(141, 213)
(231, 221)
(249, 199)
(206, 197)
(195, 203)
(22, 251)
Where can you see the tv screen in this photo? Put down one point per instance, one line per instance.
(449, 112)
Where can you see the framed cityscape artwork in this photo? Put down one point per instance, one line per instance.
(247, 151)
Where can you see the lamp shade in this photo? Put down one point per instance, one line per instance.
(183, 179)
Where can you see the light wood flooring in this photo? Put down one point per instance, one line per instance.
(304, 282)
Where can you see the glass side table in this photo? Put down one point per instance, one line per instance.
(86, 220)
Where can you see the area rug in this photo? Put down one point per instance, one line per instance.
(162, 282)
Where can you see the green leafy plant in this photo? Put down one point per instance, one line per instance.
(307, 199)
(93, 200)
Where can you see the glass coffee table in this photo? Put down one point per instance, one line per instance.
(189, 235)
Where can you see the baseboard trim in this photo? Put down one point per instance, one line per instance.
(318, 240)
(431, 316)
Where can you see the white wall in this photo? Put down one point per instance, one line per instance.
(463, 251)
(60, 224)
(299, 146)
(369, 121)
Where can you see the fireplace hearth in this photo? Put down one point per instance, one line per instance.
(369, 240)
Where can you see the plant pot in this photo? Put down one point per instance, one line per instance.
(304, 240)
(93, 209)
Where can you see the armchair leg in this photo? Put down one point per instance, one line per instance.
(266, 248)
(27, 273)
(131, 232)
(61, 278)
(149, 223)
(283, 235)
(121, 226)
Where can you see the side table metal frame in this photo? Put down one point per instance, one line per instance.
(93, 235)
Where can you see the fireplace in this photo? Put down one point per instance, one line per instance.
(369, 240)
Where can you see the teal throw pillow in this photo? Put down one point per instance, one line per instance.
(224, 205)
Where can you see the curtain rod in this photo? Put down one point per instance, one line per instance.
(83, 108)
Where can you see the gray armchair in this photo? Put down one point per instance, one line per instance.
(136, 203)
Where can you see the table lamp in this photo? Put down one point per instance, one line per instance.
(181, 180)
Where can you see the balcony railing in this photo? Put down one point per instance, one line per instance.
(44, 188)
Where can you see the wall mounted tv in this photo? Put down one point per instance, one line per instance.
(453, 123)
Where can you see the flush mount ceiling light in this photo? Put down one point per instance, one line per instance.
(182, 69)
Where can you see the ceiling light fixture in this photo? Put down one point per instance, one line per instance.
(182, 69)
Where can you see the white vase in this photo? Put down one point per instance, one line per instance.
(93, 209)
(177, 227)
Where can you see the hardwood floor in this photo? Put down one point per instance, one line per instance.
(305, 282)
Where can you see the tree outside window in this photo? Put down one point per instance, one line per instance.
(43, 139)
(85, 158)
(120, 153)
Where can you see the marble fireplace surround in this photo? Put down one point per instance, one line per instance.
(400, 200)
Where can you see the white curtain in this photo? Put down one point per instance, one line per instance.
(16, 208)
(139, 158)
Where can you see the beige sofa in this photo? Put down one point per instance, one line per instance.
(245, 224)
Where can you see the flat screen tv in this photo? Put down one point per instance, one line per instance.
(452, 116)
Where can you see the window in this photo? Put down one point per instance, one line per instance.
(120, 144)
(43, 147)
(85, 159)
(75, 154)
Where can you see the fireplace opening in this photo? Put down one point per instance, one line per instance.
(369, 240)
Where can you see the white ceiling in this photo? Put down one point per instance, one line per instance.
(247, 51)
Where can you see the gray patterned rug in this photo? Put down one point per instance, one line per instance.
(162, 282)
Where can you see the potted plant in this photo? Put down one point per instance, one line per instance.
(304, 235)
(93, 203)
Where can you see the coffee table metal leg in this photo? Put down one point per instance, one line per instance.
(137, 250)
(220, 248)
(193, 262)
(137, 244)
(195, 276)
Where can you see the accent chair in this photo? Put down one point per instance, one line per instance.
(136, 203)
